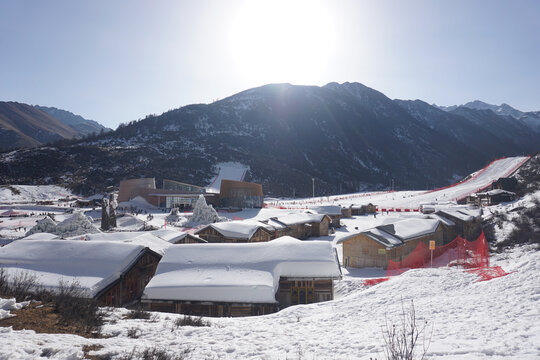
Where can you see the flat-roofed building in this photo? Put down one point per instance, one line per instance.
(240, 194)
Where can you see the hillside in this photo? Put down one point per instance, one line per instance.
(81, 125)
(22, 125)
(529, 119)
(346, 136)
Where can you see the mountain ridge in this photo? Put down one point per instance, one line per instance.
(347, 136)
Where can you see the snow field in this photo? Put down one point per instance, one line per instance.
(496, 319)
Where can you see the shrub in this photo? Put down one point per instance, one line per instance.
(154, 353)
(187, 320)
(20, 286)
(138, 313)
(68, 302)
(73, 307)
(133, 333)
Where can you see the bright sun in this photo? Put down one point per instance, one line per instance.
(282, 41)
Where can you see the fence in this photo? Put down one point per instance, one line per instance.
(470, 255)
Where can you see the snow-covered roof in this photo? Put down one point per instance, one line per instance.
(496, 192)
(243, 229)
(300, 218)
(359, 206)
(144, 238)
(327, 210)
(93, 265)
(442, 219)
(455, 213)
(247, 272)
(382, 237)
(410, 228)
(276, 224)
(171, 236)
(41, 236)
(397, 232)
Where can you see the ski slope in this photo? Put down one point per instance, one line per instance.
(227, 171)
(411, 200)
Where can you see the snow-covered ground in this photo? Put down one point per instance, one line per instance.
(33, 193)
(496, 319)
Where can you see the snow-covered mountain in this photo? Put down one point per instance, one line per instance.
(529, 119)
(346, 136)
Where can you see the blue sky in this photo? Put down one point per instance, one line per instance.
(117, 61)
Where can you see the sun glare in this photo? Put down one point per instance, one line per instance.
(282, 41)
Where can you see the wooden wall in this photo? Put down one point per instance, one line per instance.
(361, 251)
(212, 309)
(290, 292)
(131, 285)
(304, 291)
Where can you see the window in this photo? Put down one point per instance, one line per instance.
(302, 292)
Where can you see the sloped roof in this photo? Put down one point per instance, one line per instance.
(398, 232)
(327, 210)
(147, 239)
(442, 219)
(276, 224)
(496, 192)
(410, 228)
(243, 229)
(455, 213)
(300, 218)
(93, 265)
(41, 236)
(246, 273)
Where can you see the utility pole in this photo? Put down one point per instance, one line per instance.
(313, 181)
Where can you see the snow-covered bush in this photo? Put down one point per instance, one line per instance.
(174, 218)
(44, 225)
(204, 214)
(76, 225)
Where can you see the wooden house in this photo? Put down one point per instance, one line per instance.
(191, 239)
(508, 184)
(305, 225)
(242, 279)
(346, 211)
(236, 232)
(468, 222)
(448, 227)
(332, 211)
(279, 229)
(358, 210)
(494, 197)
(376, 246)
(113, 273)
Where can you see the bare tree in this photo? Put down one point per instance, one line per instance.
(408, 338)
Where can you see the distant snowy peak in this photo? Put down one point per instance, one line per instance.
(503, 109)
(529, 119)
